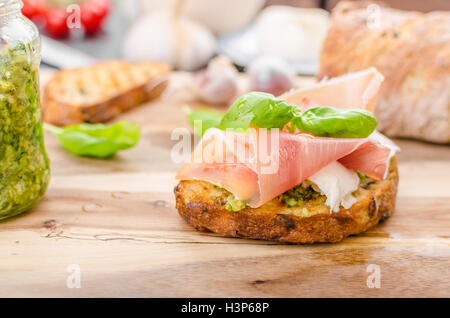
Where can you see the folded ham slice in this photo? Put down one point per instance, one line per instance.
(355, 90)
(261, 165)
(223, 158)
(251, 177)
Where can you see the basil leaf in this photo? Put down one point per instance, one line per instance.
(336, 122)
(209, 118)
(96, 140)
(266, 111)
(259, 109)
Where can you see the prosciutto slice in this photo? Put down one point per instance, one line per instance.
(224, 159)
(355, 90)
(259, 176)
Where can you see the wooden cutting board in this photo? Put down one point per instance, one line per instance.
(114, 222)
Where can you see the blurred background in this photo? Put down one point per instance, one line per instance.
(227, 20)
(212, 51)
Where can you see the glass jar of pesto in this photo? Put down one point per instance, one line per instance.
(24, 165)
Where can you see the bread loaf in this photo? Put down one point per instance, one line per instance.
(411, 50)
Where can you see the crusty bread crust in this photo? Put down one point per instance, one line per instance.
(411, 50)
(100, 92)
(200, 205)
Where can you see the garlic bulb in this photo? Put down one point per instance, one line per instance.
(218, 83)
(167, 37)
(271, 75)
(220, 16)
(223, 16)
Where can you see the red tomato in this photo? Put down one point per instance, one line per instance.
(33, 8)
(93, 14)
(56, 21)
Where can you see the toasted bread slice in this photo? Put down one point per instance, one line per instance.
(203, 205)
(100, 92)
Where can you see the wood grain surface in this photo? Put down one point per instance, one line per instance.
(116, 220)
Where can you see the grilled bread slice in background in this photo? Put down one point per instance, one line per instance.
(102, 91)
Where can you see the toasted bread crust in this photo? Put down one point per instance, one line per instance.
(273, 221)
(102, 91)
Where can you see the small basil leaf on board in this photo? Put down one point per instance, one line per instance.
(259, 109)
(209, 118)
(96, 140)
(336, 122)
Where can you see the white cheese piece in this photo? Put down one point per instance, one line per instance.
(337, 183)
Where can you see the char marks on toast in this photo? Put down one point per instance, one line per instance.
(102, 91)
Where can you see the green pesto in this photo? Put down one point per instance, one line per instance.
(234, 204)
(24, 165)
(364, 180)
(362, 176)
(295, 197)
(298, 195)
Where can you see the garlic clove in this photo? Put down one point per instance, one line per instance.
(196, 45)
(271, 75)
(218, 83)
(148, 39)
(165, 37)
